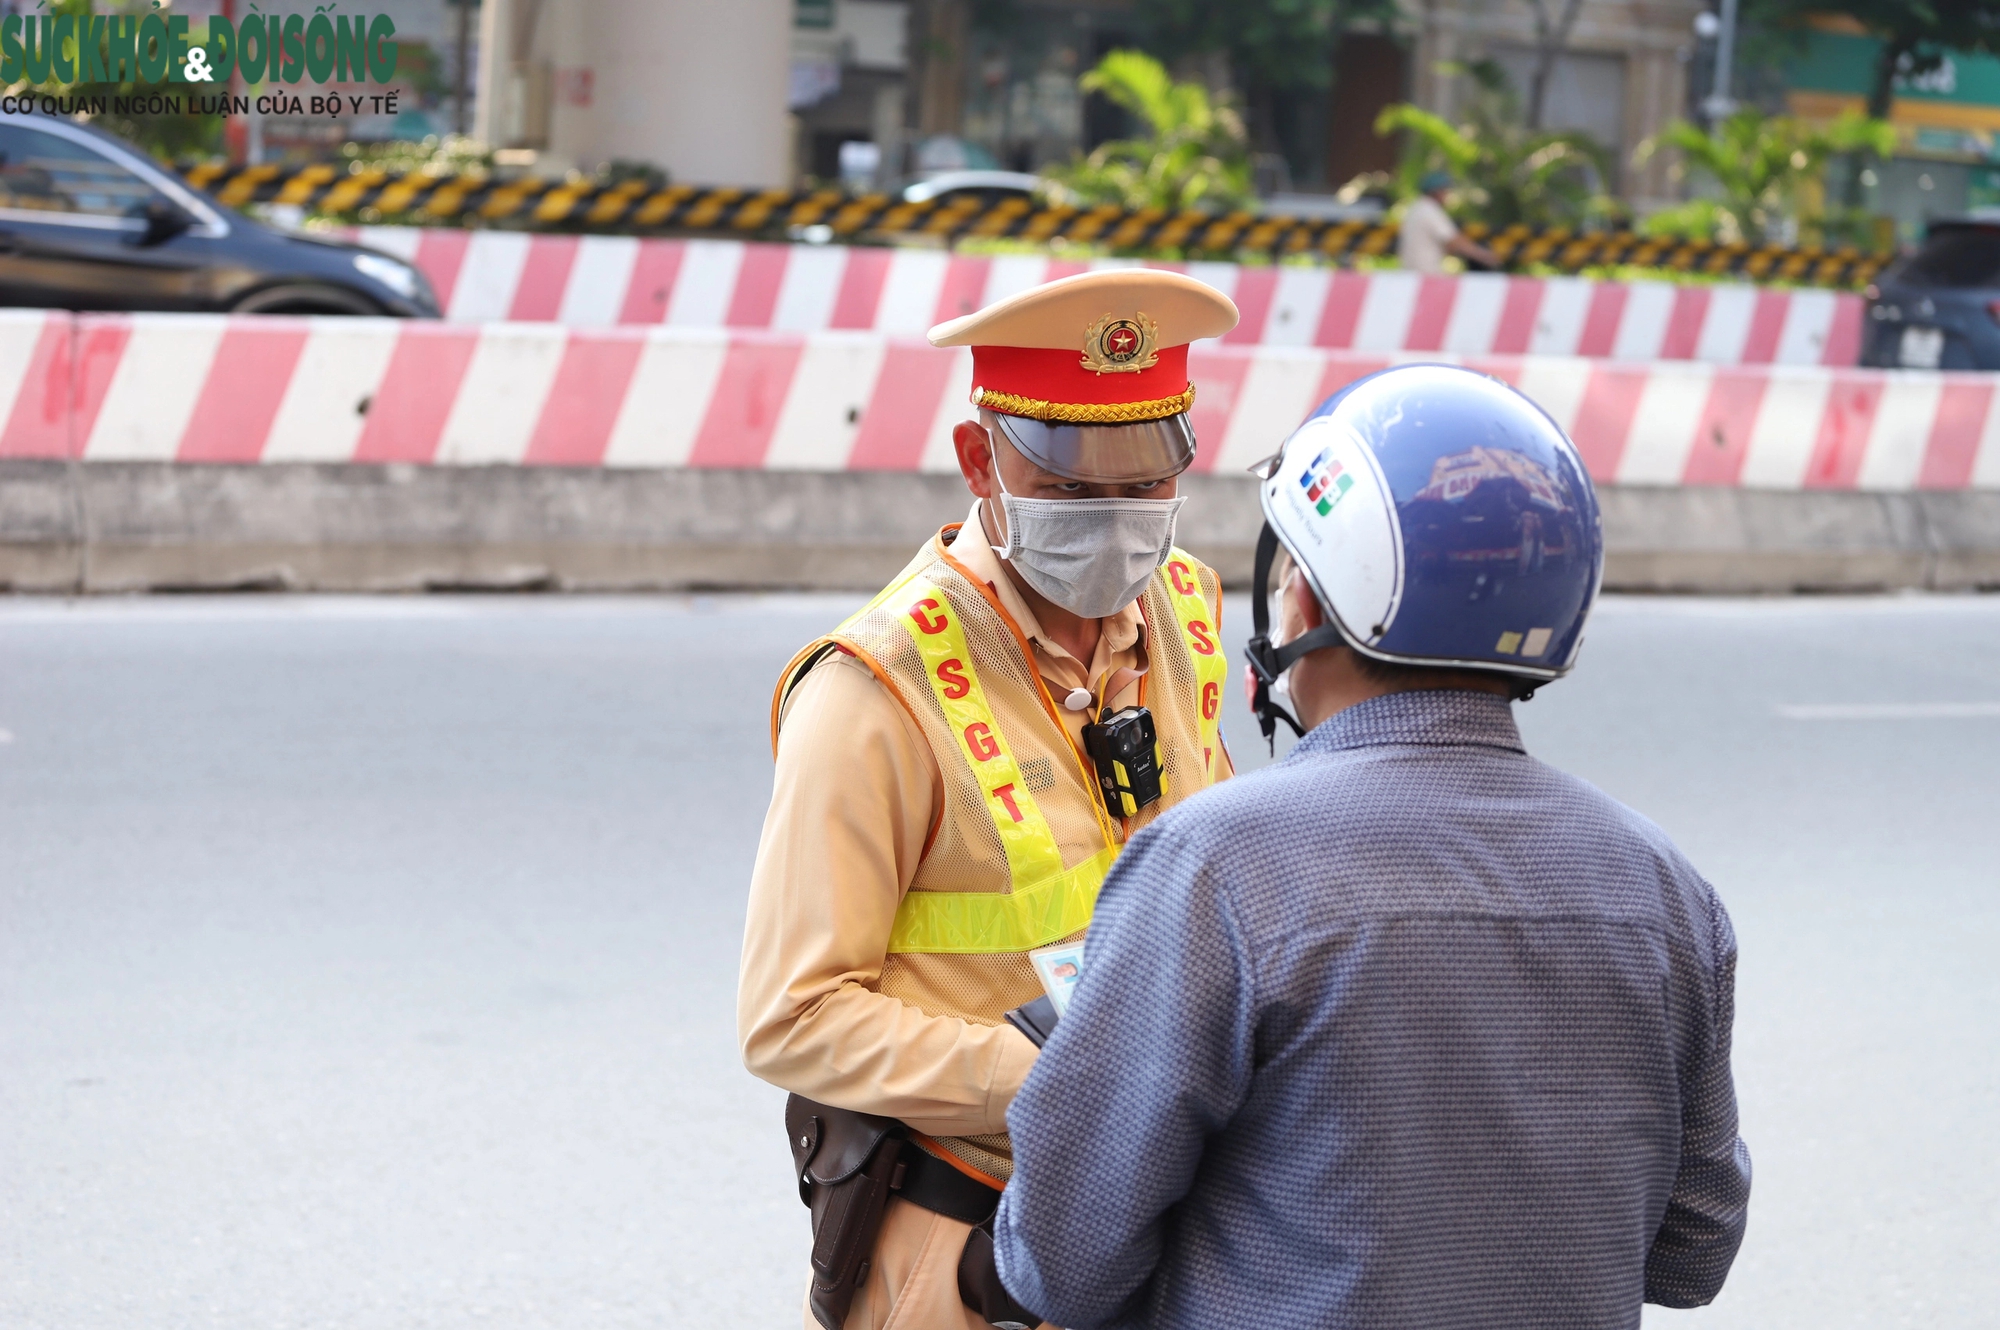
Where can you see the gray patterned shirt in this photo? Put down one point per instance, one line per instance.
(1406, 1031)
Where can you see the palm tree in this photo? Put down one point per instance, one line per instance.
(1760, 168)
(1510, 174)
(1197, 155)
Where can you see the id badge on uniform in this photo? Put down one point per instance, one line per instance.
(1059, 967)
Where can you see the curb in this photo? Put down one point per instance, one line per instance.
(141, 526)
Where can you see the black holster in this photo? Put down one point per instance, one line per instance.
(848, 1165)
(845, 1176)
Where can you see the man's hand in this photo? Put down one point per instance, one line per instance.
(1473, 252)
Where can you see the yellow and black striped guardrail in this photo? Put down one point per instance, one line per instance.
(636, 206)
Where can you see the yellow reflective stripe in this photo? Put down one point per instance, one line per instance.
(983, 922)
(1204, 644)
(932, 623)
(792, 677)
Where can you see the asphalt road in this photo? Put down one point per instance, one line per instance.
(369, 963)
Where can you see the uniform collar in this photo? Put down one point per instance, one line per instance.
(1431, 717)
(1121, 630)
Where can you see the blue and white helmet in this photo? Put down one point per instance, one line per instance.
(1442, 519)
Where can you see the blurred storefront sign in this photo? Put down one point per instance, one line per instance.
(1946, 117)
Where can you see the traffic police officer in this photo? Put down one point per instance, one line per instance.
(938, 812)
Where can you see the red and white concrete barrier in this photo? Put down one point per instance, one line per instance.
(198, 388)
(607, 281)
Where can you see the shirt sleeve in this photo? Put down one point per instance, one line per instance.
(1104, 1146)
(1437, 223)
(851, 809)
(1709, 1206)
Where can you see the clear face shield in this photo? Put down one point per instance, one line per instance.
(1101, 454)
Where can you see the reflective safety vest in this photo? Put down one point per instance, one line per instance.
(944, 646)
(1022, 842)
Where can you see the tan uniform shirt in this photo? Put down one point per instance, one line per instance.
(852, 802)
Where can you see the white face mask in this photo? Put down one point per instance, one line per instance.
(1093, 557)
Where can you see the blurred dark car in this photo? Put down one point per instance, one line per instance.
(89, 223)
(1940, 307)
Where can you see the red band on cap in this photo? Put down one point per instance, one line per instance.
(1058, 376)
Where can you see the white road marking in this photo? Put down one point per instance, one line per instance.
(235, 608)
(1889, 710)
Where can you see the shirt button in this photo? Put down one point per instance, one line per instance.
(1078, 699)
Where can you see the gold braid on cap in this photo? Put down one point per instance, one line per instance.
(1084, 413)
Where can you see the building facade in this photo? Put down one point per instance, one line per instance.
(995, 86)
(870, 92)
(958, 87)
(697, 87)
(1621, 76)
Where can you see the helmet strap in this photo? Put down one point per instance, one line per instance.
(1267, 662)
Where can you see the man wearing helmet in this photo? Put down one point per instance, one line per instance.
(1407, 1030)
(957, 766)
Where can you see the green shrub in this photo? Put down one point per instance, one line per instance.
(1196, 156)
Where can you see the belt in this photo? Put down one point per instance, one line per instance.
(922, 1179)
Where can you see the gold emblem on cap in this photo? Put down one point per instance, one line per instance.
(1116, 345)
